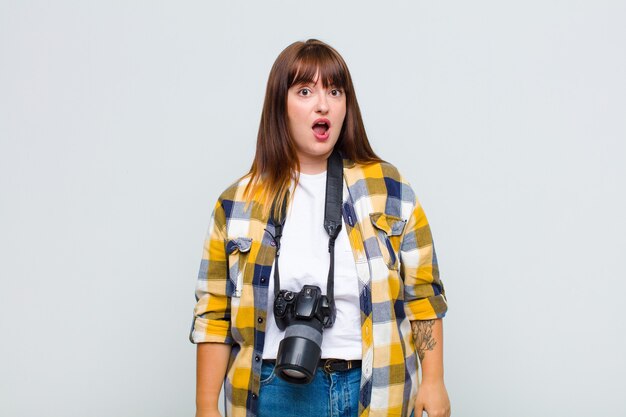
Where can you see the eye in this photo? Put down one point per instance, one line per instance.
(303, 90)
(336, 92)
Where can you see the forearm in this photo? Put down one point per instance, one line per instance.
(428, 338)
(211, 365)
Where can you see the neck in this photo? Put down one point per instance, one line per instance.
(313, 166)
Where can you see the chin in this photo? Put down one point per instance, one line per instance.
(328, 143)
(315, 148)
(323, 150)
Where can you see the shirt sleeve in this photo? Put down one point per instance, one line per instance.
(211, 316)
(424, 294)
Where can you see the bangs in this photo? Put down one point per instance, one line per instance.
(312, 59)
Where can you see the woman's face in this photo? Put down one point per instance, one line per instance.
(315, 116)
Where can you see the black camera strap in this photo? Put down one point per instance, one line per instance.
(332, 216)
(332, 221)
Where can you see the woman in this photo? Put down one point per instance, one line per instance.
(388, 297)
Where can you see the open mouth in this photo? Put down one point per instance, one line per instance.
(320, 128)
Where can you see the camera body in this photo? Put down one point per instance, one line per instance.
(303, 316)
(307, 304)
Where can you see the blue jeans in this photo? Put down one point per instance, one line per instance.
(328, 395)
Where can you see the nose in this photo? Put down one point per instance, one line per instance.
(322, 103)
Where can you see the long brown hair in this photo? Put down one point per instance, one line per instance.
(276, 162)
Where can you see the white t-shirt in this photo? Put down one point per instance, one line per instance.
(304, 260)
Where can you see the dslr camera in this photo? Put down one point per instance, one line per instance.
(303, 316)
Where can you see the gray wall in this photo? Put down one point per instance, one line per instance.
(507, 117)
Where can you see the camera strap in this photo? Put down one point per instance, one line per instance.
(332, 221)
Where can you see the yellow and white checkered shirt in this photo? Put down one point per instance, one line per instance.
(398, 283)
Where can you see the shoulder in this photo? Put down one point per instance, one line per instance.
(240, 216)
(380, 177)
(234, 192)
(376, 169)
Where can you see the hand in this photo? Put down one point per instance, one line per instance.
(432, 397)
(208, 413)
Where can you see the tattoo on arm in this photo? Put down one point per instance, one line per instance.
(423, 336)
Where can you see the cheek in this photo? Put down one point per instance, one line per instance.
(341, 118)
(296, 125)
(341, 111)
(295, 116)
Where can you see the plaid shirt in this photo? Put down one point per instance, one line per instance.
(398, 282)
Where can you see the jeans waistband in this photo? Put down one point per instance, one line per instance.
(331, 364)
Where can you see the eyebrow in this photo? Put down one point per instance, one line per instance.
(311, 83)
(304, 83)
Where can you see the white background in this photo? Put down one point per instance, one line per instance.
(121, 122)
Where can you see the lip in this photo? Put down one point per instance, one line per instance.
(321, 119)
(325, 136)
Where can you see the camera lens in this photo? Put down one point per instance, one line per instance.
(294, 373)
(299, 352)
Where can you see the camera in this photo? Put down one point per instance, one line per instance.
(303, 316)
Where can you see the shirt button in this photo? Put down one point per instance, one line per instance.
(260, 319)
(257, 358)
(254, 396)
(263, 279)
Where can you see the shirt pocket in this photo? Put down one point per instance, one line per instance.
(237, 250)
(389, 233)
